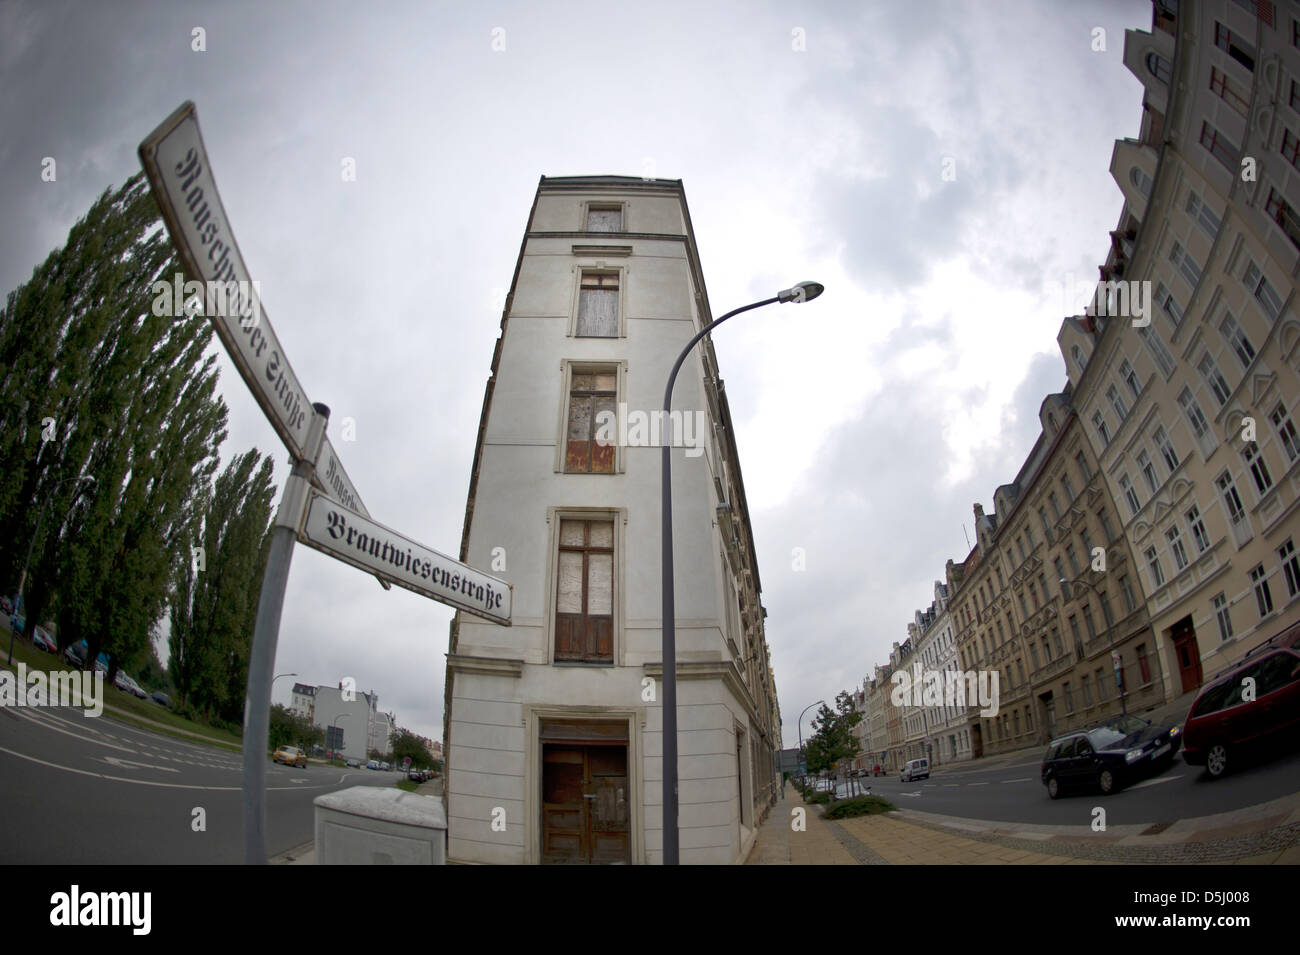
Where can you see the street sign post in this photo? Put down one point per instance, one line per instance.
(331, 519)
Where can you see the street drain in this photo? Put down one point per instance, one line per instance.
(1156, 829)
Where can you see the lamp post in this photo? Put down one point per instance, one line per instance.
(799, 728)
(1110, 636)
(334, 725)
(40, 519)
(803, 292)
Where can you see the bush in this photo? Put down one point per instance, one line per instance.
(858, 806)
(818, 799)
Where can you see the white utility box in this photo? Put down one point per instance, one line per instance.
(368, 825)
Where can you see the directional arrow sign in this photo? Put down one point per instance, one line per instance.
(180, 176)
(357, 540)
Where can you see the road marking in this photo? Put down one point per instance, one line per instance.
(1023, 779)
(1157, 780)
(952, 785)
(149, 782)
(977, 784)
(128, 764)
(78, 736)
(300, 779)
(909, 794)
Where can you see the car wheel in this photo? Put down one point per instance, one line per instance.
(1054, 787)
(1216, 760)
(1106, 782)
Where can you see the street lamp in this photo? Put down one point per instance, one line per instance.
(40, 519)
(803, 292)
(1110, 636)
(799, 727)
(334, 725)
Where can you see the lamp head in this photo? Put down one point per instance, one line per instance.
(803, 292)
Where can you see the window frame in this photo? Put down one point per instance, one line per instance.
(568, 367)
(592, 205)
(579, 271)
(618, 515)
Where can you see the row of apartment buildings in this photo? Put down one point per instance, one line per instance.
(1164, 487)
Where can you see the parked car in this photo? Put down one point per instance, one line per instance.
(915, 769)
(1109, 755)
(354, 763)
(1248, 710)
(76, 654)
(6, 605)
(162, 699)
(373, 764)
(128, 685)
(415, 775)
(42, 639)
(290, 756)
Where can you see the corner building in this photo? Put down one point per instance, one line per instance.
(554, 724)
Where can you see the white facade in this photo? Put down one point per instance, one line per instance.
(381, 732)
(353, 711)
(553, 726)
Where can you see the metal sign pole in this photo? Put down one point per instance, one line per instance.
(266, 632)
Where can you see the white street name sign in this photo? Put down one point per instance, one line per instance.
(330, 477)
(357, 540)
(180, 176)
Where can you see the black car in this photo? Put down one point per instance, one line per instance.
(1109, 755)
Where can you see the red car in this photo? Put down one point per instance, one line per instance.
(1253, 705)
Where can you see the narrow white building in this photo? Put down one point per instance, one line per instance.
(553, 725)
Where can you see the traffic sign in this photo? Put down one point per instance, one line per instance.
(180, 176)
(357, 540)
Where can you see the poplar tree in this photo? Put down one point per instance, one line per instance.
(94, 385)
(218, 584)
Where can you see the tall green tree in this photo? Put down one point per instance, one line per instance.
(95, 386)
(832, 738)
(406, 743)
(217, 586)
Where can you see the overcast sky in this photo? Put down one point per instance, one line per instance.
(812, 139)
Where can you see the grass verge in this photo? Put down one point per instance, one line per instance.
(144, 714)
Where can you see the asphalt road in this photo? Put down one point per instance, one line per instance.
(78, 790)
(1015, 793)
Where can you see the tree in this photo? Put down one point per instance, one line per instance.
(219, 573)
(406, 743)
(832, 739)
(288, 728)
(94, 385)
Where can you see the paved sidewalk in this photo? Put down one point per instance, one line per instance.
(779, 844)
(1268, 834)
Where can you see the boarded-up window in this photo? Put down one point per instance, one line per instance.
(598, 306)
(605, 219)
(584, 593)
(591, 431)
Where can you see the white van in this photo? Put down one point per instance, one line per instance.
(915, 769)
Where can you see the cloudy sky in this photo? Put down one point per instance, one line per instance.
(813, 140)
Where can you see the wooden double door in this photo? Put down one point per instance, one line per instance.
(585, 816)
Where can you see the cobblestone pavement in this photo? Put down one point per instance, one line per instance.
(907, 839)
